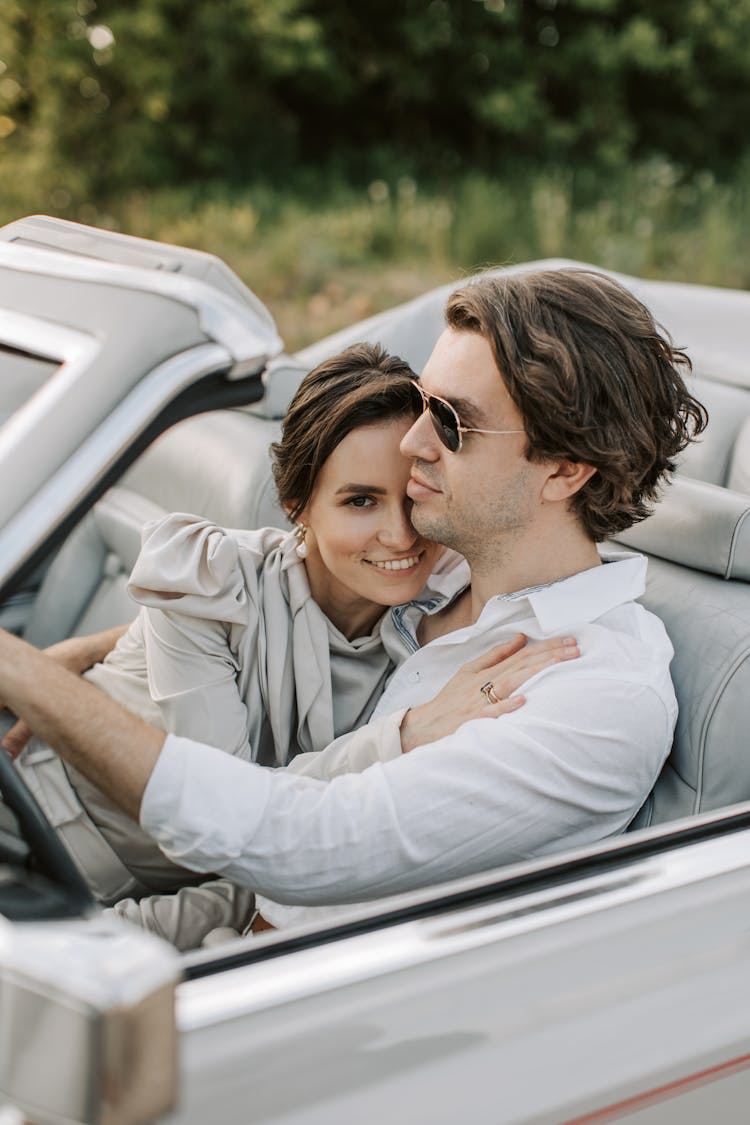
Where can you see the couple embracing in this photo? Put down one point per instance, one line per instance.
(546, 417)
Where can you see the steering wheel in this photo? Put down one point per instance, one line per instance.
(49, 853)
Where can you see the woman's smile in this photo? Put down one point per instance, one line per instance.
(391, 565)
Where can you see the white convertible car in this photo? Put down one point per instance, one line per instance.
(600, 985)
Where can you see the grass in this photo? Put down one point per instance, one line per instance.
(321, 262)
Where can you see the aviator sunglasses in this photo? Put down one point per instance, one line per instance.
(445, 420)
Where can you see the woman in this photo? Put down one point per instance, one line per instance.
(266, 643)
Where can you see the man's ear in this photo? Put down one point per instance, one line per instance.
(567, 478)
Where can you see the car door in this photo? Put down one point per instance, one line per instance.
(600, 986)
(609, 985)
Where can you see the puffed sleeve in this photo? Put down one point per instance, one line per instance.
(198, 617)
(190, 566)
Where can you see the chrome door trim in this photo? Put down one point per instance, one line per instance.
(243, 990)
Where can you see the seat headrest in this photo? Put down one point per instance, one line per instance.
(702, 526)
(709, 457)
(739, 466)
(215, 465)
(84, 589)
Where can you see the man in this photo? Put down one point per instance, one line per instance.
(553, 407)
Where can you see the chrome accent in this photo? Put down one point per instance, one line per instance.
(206, 1001)
(87, 1028)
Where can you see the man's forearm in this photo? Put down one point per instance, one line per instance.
(112, 748)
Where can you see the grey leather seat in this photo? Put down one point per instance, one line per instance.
(84, 589)
(698, 540)
(215, 465)
(722, 456)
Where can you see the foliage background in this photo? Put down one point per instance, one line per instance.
(341, 156)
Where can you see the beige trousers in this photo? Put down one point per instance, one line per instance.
(104, 871)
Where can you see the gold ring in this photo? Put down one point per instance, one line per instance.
(488, 691)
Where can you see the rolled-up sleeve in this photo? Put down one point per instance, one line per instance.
(568, 768)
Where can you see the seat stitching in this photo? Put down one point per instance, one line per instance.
(740, 659)
(733, 542)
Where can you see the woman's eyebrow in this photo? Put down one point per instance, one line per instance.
(368, 488)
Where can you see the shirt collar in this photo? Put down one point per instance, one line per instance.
(591, 593)
(557, 606)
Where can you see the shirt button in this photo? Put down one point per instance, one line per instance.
(414, 677)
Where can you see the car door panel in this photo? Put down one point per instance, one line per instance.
(541, 1011)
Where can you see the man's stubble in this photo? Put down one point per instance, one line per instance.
(484, 525)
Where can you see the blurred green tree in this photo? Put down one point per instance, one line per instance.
(97, 96)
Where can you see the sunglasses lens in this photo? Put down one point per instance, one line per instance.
(417, 399)
(443, 417)
(445, 421)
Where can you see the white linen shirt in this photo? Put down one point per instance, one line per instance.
(360, 820)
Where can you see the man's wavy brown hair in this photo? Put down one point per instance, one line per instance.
(595, 378)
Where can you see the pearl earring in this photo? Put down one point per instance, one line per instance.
(301, 548)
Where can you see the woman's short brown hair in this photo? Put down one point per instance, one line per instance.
(361, 386)
(595, 379)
